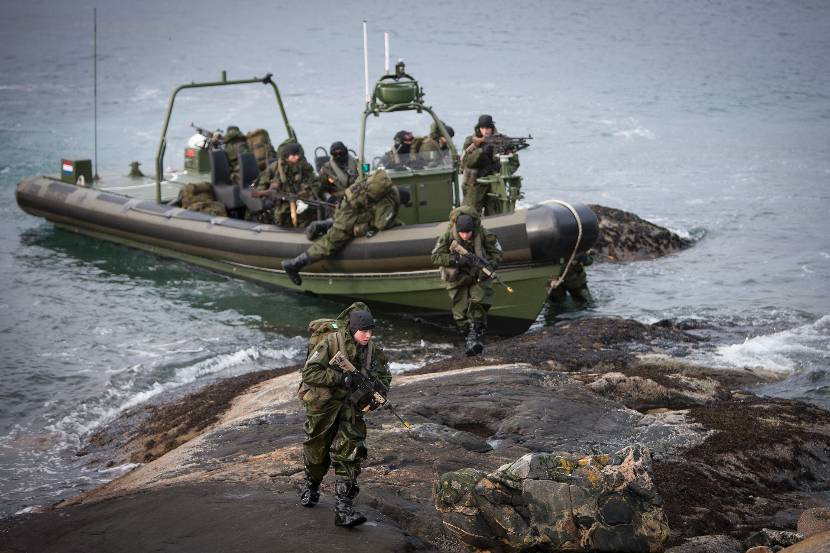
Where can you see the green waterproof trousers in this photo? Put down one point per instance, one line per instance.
(470, 300)
(335, 433)
(575, 284)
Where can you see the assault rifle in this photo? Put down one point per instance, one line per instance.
(476, 261)
(367, 390)
(503, 144)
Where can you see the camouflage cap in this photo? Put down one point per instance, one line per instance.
(292, 148)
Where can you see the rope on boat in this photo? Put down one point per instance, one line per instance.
(555, 284)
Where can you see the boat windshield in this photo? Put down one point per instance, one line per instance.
(403, 142)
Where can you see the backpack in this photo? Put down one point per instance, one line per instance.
(320, 329)
(260, 144)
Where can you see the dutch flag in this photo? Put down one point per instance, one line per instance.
(67, 167)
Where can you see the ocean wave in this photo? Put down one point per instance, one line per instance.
(806, 347)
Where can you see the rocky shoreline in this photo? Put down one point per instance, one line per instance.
(589, 435)
(724, 461)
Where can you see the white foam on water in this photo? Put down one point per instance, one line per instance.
(784, 351)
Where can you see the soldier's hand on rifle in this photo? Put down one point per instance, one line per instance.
(479, 140)
(348, 380)
(463, 261)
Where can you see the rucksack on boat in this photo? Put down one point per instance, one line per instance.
(260, 144)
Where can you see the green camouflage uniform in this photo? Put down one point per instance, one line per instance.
(432, 151)
(234, 144)
(575, 284)
(292, 179)
(334, 428)
(360, 214)
(478, 162)
(335, 179)
(471, 298)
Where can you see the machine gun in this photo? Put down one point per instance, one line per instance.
(213, 139)
(503, 144)
(480, 263)
(366, 389)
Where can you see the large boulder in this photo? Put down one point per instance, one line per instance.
(556, 502)
(814, 521)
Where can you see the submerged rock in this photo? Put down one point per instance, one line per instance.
(557, 501)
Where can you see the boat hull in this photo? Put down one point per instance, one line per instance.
(392, 269)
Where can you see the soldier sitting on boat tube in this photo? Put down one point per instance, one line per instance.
(369, 206)
(290, 174)
(470, 289)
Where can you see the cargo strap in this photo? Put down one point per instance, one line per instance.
(341, 175)
(555, 284)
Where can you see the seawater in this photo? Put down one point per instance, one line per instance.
(712, 119)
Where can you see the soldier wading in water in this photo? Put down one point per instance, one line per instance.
(334, 426)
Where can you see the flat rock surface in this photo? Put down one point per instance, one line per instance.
(196, 518)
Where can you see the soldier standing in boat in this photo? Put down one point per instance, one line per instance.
(290, 174)
(334, 426)
(369, 206)
(471, 292)
(403, 154)
(435, 150)
(479, 159)
(338, 173)
(234, 143)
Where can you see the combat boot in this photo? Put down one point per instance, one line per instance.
(309, 494)
(292, 267)
(317, 229)
(473, 345)
(344, 513)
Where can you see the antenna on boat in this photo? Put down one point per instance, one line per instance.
(366, 60)
(95, 86)
(386, 50)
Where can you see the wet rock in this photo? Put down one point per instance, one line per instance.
(555, 501)
(709, 544)
(624, 236)
(773, 538)
(819, 543)
(763, 456)
(814, 521)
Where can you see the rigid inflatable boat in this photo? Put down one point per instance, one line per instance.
(391, 270)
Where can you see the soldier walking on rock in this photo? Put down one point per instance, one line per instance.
(471, 292)
(334, 426)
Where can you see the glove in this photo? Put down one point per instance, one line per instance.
(348, 381)
(463, 261)
(371, 232)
